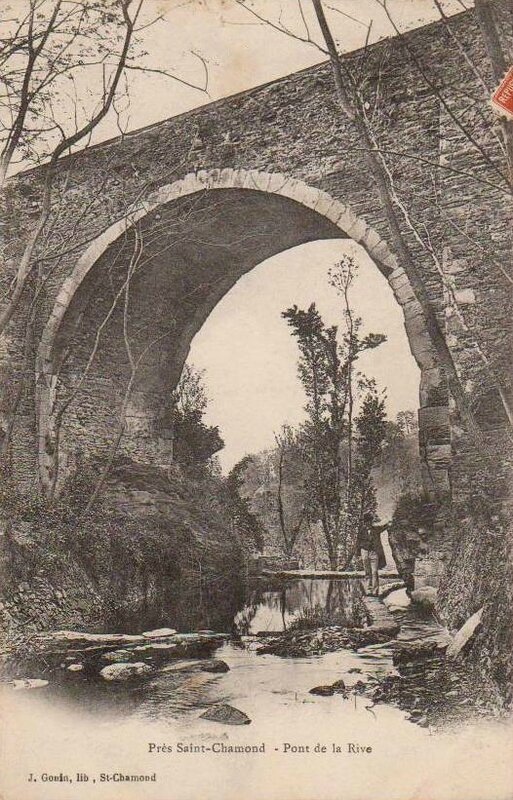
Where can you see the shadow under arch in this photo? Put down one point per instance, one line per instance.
(194, 239)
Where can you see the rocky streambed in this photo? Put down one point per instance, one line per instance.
(57, 655)
(347, 646)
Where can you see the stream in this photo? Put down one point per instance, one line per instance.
(155, 725)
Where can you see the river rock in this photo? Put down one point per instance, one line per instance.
(159, 633)
(397, 600)
(96, 638)
(323, 691)
(214, 665)
(125, 672)
(363, 637)
(29, 683)
(425, 596)
(411, 652)
(155, 647)
(202, 665)
(75, 667)
(117, 656)
(464, 635)
(228, 715)
(389, 588)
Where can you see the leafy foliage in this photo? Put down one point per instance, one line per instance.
(244, 522)
(371, 430)
(194, 443)
(332, 385)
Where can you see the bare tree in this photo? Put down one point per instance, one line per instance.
(45, 112)
(486, 14)
(64, 67)
(353, 108)
(138, 342)
(500, 59)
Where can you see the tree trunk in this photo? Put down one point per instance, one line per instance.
(349, 106)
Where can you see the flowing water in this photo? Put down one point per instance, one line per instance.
(261, 685)
(84, 722)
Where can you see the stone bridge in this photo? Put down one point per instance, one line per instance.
(150, 230)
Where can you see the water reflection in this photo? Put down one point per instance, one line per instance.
(266, 687)
(308, 603)
(191, 603)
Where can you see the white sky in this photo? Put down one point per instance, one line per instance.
(250, 357)
(241, 52)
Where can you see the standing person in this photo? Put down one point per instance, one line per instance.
(371, 551)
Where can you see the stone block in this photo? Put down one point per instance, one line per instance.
(398, 278)
(325, 204)
(204, 178)
(371, 240)
(354, 227)
(412, 309)
(309, 197)
(336, 211)
(405, 294)
(439, 454)
(389, 261)
(238, 179)
(291, 188)
(225, 178)
(381, 251)
(259, 180)
(276, 182)
(465, 296)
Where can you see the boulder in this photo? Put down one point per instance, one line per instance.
(159, 633)
(425, 596)
(323, 691)
(29, 683)
(228, 715)
(125, 672)
(156, 648)
(182, 666)
(82, 637)
(214, 665)
(202, 665)
(116, 656)
(464, 635)
(411, 652)
(397, 600)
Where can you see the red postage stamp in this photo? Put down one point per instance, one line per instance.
(502, 98)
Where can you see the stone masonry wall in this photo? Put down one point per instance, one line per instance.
(457, 222)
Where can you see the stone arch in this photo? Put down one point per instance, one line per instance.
(433, 417)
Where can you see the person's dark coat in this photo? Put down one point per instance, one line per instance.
(370, 539)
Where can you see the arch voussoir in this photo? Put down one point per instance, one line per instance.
(284, 185)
